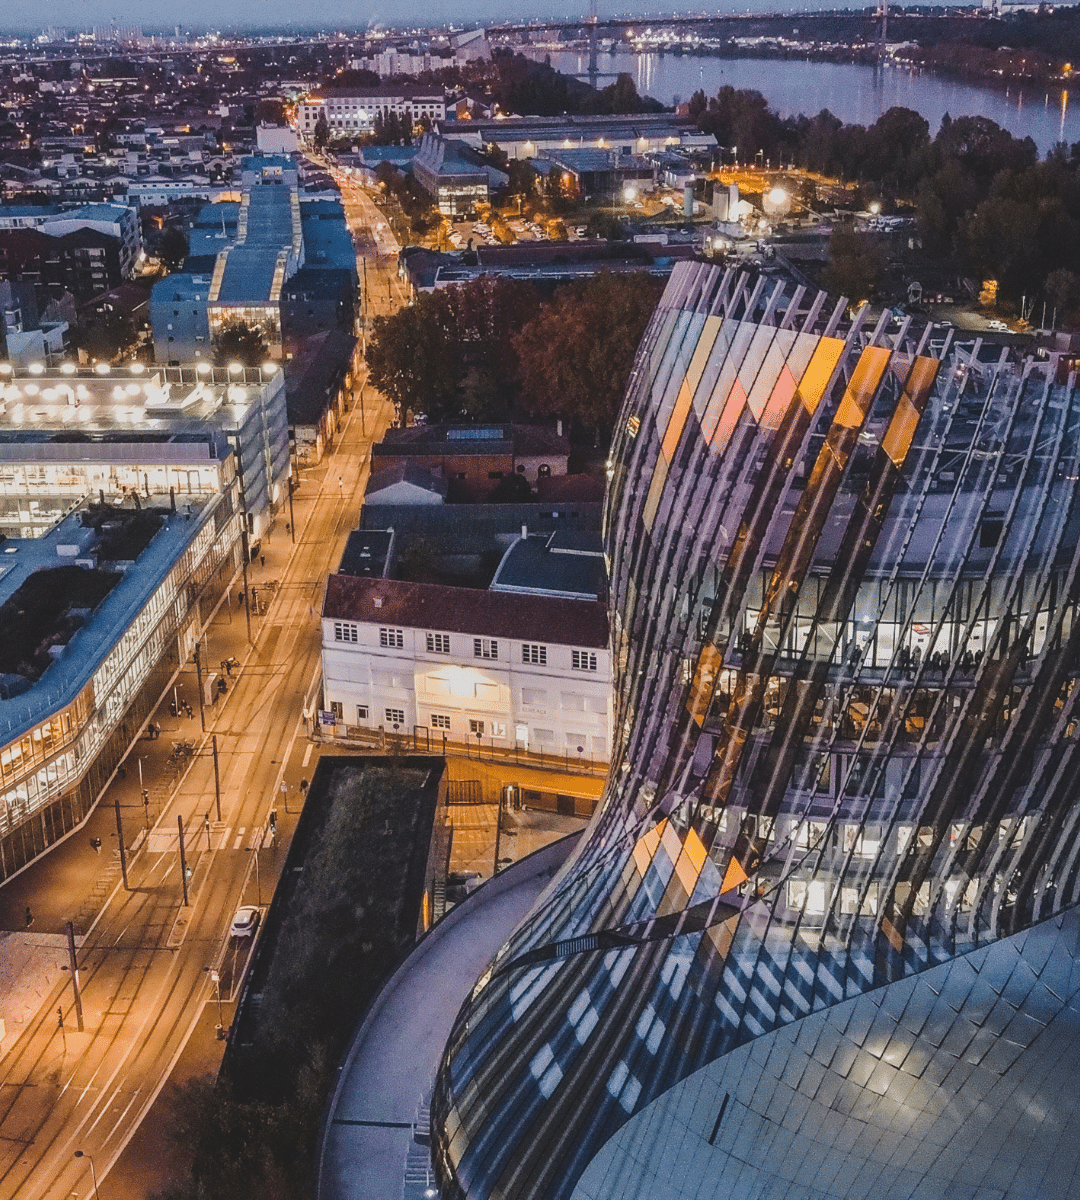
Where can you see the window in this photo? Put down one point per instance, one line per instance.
(361, 713)
(438, 643)
(476, 728)
(485, 648)
(337, 710)
(344, 632)
(440, 721)
(531, 653)
(583, 660)
(394, 638)
(395, 716)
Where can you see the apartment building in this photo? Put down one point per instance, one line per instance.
(433, 662)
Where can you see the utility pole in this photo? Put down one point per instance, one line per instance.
(74, 975)
(198, 680)
(183, 858)
(247, 602)
(217, 776)
(120, 839)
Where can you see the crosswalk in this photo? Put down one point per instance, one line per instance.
(165, 841)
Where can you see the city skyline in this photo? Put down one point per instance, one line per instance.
(199, 15)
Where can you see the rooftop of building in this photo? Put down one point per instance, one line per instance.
(249, 274)
(315, 373)
(441, 156)
(467, 610)
(585, 158)
(617, 125)
(566, 563)
(367, 553)
(432, 440)
(71, 407)
(327, 241)
(404, 471)
(91, 635)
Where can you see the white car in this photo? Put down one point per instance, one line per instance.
(245, 922)
(997, 326)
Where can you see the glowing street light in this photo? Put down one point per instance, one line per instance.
(93, 1172)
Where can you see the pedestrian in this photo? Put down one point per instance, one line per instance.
(262, 560)
(96, 844)
(29, 917)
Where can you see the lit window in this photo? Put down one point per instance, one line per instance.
(531, 653)
(485, 648)
(583, 660)
(394, 638)
(440, 721)
(438, 643)
(395, 716)
(344, 632)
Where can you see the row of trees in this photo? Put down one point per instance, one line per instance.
(494, 347)
(983, 198)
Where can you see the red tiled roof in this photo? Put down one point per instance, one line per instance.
(467, 610)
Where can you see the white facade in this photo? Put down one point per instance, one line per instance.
(534, 696)
(355, 112)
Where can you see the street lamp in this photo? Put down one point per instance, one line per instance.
(93, 1172)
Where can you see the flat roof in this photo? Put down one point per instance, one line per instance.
(82, 656)
(367, 553)
(566, 565)
(156, 403)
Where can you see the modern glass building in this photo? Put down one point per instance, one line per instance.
(820, 939)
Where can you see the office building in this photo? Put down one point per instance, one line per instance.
(353, 110)
(67, 433)
(821, 940)
(121, 528)
(270, 262)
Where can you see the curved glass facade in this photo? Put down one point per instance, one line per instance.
(845, 566)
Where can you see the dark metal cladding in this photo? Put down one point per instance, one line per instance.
(845, 577)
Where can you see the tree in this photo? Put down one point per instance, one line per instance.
(855, 265)
(321, 132)
(452, 354)
(104, 336)
(239, 342)
(172, 248)
(577, 353)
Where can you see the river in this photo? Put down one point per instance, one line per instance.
(855, 93)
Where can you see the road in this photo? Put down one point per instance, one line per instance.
(143, 967)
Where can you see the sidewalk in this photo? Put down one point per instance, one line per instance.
(72, 881)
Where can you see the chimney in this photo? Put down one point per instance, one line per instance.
(524, 531)
(558, 427)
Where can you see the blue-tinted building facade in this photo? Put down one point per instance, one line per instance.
(820, 938)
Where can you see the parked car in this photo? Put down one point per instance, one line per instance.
(245, 922)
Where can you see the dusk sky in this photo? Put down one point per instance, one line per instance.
(201, 14)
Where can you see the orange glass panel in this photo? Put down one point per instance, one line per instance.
(656, 488)
(733, 876)
(696, 849)
(864, 382)
(678, 420)
(817, 375)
